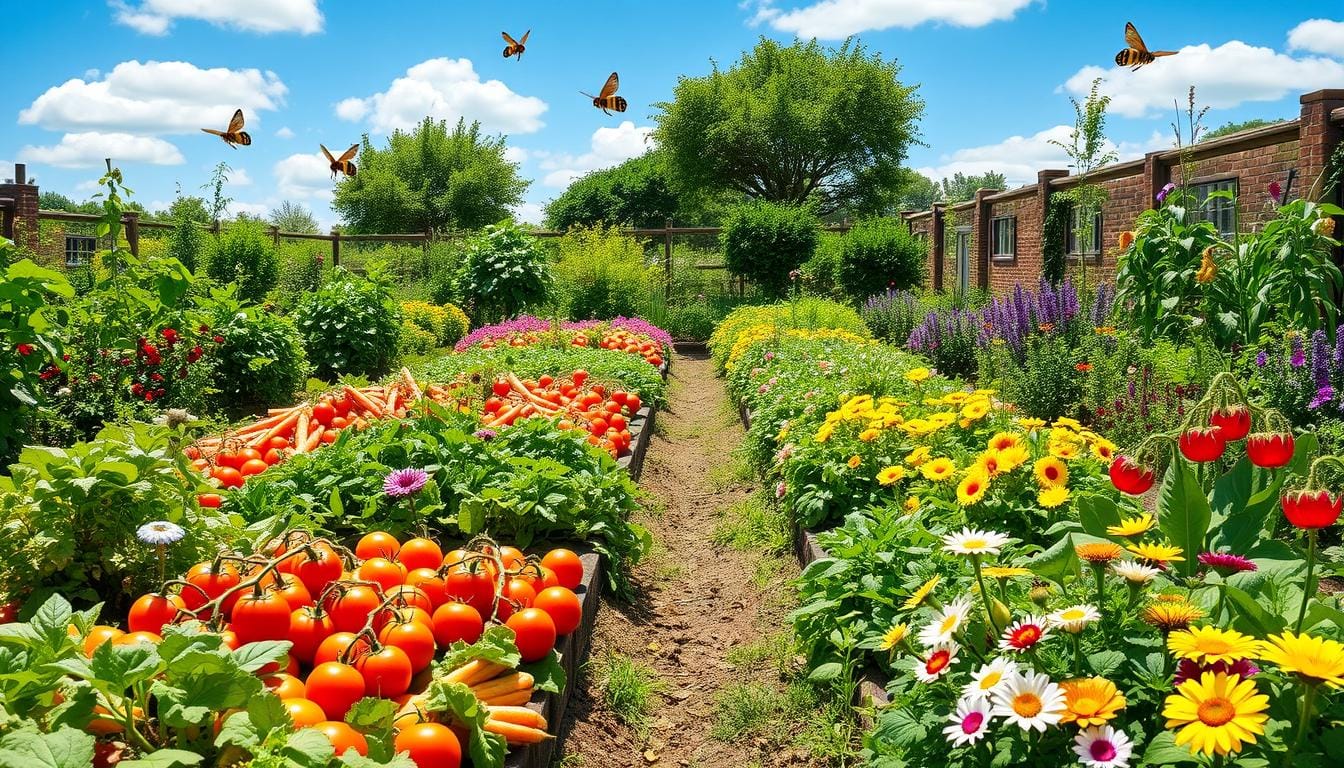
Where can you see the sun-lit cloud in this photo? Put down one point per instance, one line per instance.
(1019, 158)
(608, 147)
(305, 176)
(529, 213)
(156, 97)
(1226, 76)
(838, 19)
(445, 89)
(156, 17)
(88, 149)
(1318, 36)
(284, 133)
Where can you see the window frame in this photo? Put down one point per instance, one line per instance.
(83, 256)
(1222, 207)
(1070, 238)
(995, 224)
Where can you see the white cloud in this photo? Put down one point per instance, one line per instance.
(6, 170)
(1224, 77)
(236, 207)
(284, 133)
(1018, 158)
(239, 177)
(446, 89)
(87, 150)
(304, 176)
(155, 17)
(529, 213)
(1318, 36)
(609, 146)
(837, 19)
(156, 97)
(515, 154)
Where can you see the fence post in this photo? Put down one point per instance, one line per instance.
(214, 228)
(335, 247)
(275, 235)
(133, 232)
(667, 258)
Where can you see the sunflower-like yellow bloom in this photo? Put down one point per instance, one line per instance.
(922, 593)
(1207, 645)
(1207, 268)
(916, 375)
(1050, 472)
(1158, 553)
(1317, 659)
(890, 475)
(1126, 240)
(1090, 701)
(1064, 449)
(1004, 440)
(1052, 497)
(1216, 714)
(894, 636)
(918, 456)
(855, 461)
(938, 469)
(1012, 457)
(1029, 423)
(1169, 616)
(911, 504)
(824, 432)
(1098, 551)
(1132, 526)
(975, 409)
(869, 435)
(972, 488)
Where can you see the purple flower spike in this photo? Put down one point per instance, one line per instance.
(1226, 563)
(405, 482)
(1261, 359)
(1299, 358)
(1166, 190)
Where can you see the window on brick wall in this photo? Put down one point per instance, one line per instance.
(79, 250)
(1003, 237)
(1090, 249)
(1219, 210)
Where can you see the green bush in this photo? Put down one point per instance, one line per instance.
(349, 326)
(693, 322)
(601, 273)
(186, 243)
(820, 273)
(261, 361)
(880, 254)
(445, 325)
(764, 242)
(415, 340)
(247, 257)
(503, 274)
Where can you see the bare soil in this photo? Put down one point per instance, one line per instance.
(694, 602)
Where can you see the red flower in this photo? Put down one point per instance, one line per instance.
(24, 349)
(1270, 449)
(169, 335)
(1201, 444)
(195, 354)
(1235, 421)
(1128, 476)
(149, 397)
(1083, 367)
(218, 339)
(137, 388)
(156, 376)
(1311, 509)
(50, 373)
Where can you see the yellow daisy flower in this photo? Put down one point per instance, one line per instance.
(938, 469)
(955, 398)
(1064, 449)
(1158, 553)
(1103, 449)
(1098, 551)
(1132, 526)
(1207, 645)
(1005, 571)
(1029, 423)
(972, 488)
(1051, 472)
(1013, 457)
(922, 593)
(1068, 423)
(825, 431)
(918, 456)
(911, 503)
(1004, 440)
(1168, 616)
(1090, 701)
(869, 435)
(890, 475)
(894, 636)
(975, 409)
(916, 375)
(855, 461)
(1317, 659)
(1052, 497)
(1217, 713)
(919, 427)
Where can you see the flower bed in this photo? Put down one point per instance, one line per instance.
(630, 335)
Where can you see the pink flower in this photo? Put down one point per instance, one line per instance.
(1226, 563)
(1188, 669)
(1275, 192)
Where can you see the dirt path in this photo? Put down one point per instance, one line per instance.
(696, 600)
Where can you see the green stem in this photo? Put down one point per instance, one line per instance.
(1077, 654)
(1099, 571)
(1308, 589)
(1308, 698)
(985, 597)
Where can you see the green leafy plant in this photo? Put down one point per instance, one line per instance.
(602, 273)
(261, 360)
(245, 256)
(349, 326)
(186, 242)
(504, 272)
(765, 242)
(880, 253)
(30, 343)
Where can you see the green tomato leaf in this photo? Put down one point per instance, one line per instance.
(547, 672)
(496, 645)
(166, 758)
(26, 747)
(308, 748)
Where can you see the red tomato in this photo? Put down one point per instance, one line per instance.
(540, 580)
(263, 616)
(535, 633)
(317, 566)
(324, 412)
(333, 646)
(273, 456)
(228, 477)
(350, 607)
(414, 639)
(512, 557)
(385, 572)
(457, 621)
(501, 388)
(633, 402)
(285, 685)
(278, 443)
(304, 712)
(579, 377)
(343, 737)
(472, 585)
(208, 583)
(545, 381)
(620, 396)
(430, 745)
(518, 594)
(598, 426)
(428, 581)
(420, 553)
(414, 597)
(253, 467)
(210, 500)
(308, 628)
(378, 544)
(563, 606)
(567, 566)
(230, 459)
(387, 672)
(99, 635)
(151, 612)
(288, 586)
(334, 686)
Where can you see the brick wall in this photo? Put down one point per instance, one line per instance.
(24, 196)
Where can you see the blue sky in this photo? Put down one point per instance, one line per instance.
(136, 78)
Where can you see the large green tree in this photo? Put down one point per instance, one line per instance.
(962, 187)
(794, 124)
(919, 193)
(293, 217)
(635, 193)
(433, 177)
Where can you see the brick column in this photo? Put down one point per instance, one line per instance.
(937, 239)
(1319, 136)
(24, 196)
(1156, 174)
(980, 237)
(1043, 192)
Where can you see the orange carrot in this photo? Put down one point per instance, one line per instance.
(363, 401)
(301, 432)
(516, 734)
(280, 429)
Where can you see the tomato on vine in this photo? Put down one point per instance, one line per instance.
(334, 686)
(457, 621)
(534, 633)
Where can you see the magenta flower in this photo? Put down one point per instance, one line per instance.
(1275, 192)
(1191, 670)
(1166, 190)
(1226, 563)
(405, 482)
(484, 434)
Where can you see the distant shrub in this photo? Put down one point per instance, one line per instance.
(349, 326)
(601, 273)
(504, 272)
(245, 256)
(445, 325)
(261, 360)
(692, 322)
(878, 254)
(186, 243)
(764, 242)
(820, 273)
(415, 340)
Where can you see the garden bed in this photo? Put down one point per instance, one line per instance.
(641, 431)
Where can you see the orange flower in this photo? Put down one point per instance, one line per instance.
(1083, 367)
(1126, 240)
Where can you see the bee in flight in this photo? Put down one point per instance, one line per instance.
(341, 164)
(1137, 54)
(515, 47)
(235, 134)
(608, 99)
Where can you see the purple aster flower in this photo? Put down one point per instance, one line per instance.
(1323, 395)
(484, 434)
(1189, 669)
(1166, 190)
(1226, 563)
(1275, 192)
(405, 482)
(1299, 354)
(1261, 359)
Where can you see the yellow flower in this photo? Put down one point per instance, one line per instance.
(1013, 457)
(1158, 553)
(1004, 440)
(869, 435)
(1126, 239)
(1208, 269)
(894, 636)
(972, 488)
(1029, 423)
(1090, 701)
(1103, 449)
(1098, 551)
(1132, 526)
(916, 375)
(855, 461)
(1050, 472)
(1324, 226)
(1068, 423)
(920, 594)
(918, 456)
(911, 503)
(988, 464)
(1317, 659)
(825, 431)
(942, 418)
(889, 475)
(955, 398)
(975, 409)
(1207, 645)
(1217, 713)
(938, 469)
(1169, 616)
(1004, 571)
(1064, 449)
(1052, 497)
(919, 427)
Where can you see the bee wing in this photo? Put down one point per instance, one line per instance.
(349, 153)
(524, 40)
(1132, 37)
(508, 39)
(610, 86)
(327, 152)
(236, 124)
(213, 132)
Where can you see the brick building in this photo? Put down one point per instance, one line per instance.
(18, 209)
(997, 240)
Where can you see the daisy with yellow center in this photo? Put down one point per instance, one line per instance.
(918, 456)
(916, 375)
(1030, 701)
(920, 594)
(911, 504)
(1208, 645)
(1315, 659)
(1029, 423)
(919, 427)
(894, 636)
(1131, 527)
(972, 488)
(855, 461)
(1098, 551)
(1090, 701)
(1003, 440)
(869, 435)
(987, 463)
(990, 678)
(1075, 618)
(939, 469)
(1103, 449)
(936, 662)
(1052, 497)
(1157, 553)
(954, 398)
(944, 626)
(973, 542)
(1170, 616)
(1134, 572)
(1216, 714)
(890, 475)
(1050, 472)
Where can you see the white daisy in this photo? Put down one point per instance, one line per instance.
(973, 542)
(1029, 700)
(1102, 746)
(990, 678)
(160, 533)
(970, 722)
(945, 625)
(1134, 572)
(936, 662)
(1024, 634)
(1075, 618)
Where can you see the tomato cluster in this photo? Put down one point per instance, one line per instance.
(575, 403)
(630, 343)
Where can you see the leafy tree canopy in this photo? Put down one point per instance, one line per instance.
(432, 177)
(962, 187)
(636, 193)
(919, 192)
(1236, 127)
(794, 124)
(293, 217)
(55, 201)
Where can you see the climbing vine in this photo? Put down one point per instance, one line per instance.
(1054, 239)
